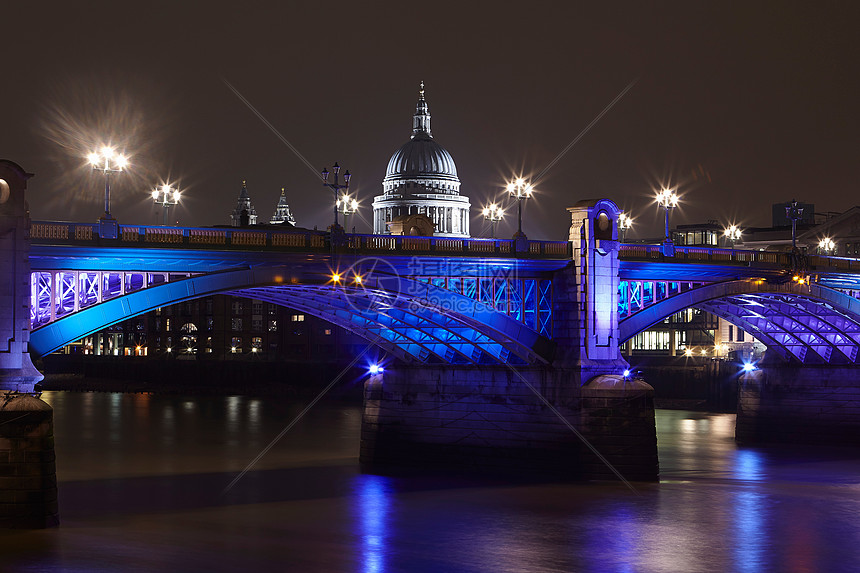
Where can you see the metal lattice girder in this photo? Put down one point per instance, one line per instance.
(789, 318)
(404, 337)
(464, 329)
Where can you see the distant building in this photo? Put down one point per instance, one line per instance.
(282, 211)
(422, 179)
(244, 214)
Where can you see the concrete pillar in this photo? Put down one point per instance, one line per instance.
(799, 404)
(17, 372)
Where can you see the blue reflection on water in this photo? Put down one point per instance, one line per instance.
(751, 533)
(371, 504)
(748, 465)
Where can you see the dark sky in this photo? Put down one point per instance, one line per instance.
(739, 105)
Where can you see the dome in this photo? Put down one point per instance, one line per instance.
(421, 157)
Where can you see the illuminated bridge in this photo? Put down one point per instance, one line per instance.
(435, 300)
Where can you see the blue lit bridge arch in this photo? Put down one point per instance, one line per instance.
(462, 320)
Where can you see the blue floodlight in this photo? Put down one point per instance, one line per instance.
(749, 366)
(626, 373)
(376, 369)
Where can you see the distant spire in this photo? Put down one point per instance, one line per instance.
(282, 211)
(421, 119)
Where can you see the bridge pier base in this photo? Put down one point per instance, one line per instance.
(489, 420)
(807, 404)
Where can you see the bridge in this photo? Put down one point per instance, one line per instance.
(399, 292)
(501, 347)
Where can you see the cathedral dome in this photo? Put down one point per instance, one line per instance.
(421, 157)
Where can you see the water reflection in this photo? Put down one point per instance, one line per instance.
(371, 506)
(150, 500)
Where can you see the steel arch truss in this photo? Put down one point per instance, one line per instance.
(803, 323)
(415, 321)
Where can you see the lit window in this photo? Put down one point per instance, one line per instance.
(236, 323)
(297, 318)
(273, 326)
(236, 345)
(327, 332)
(256, 344)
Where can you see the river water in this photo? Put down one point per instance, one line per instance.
(143, 479)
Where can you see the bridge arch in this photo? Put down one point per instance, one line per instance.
(806, 323)
(412, 320)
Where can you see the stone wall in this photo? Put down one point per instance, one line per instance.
(489, 420)
(809, 404)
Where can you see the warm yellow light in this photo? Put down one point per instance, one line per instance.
(155, 194)
(511, 187)
(169, 349)
(486, 212)
(520, 182)
(357, 280)
(176, 196)
(121, 161)
(688, 352)
(253, 349)
(93, 158)
(335, 277)
(704, 352)
(107, 152)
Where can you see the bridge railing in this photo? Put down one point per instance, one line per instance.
(47, 232)
(741, 257)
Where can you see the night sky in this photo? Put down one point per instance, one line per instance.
(739, 105)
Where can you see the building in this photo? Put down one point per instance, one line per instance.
(244, 214)
(224, 327)
(282, 211)
(422, 179)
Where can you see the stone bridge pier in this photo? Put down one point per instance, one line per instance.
(28, 476)
(529, 420)
(811, 404)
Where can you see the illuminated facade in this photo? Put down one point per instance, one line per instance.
(282, 211)
(422, 179)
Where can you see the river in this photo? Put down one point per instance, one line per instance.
(144, 486)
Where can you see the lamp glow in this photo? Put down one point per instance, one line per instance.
(376, 369)
(749, 366)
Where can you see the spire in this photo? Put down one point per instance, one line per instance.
(421, 119)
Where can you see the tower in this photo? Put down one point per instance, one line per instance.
(282, 211)
(244, 214)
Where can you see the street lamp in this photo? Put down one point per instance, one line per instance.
(795, 214)
(335, 187)
(826, 245)
(107, 161)
(625, 222)
(493, 214)
(733, 234)
(167, 197)
(668, 199)
(346, 206)
(520, 190)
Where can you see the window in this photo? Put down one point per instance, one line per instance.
(731, 332)
(167, 324)
(256, 344)
(236, 324)
(237, 307)
(740, 335)
(210, 323)
(297, 318)
(208, 306)
(257, 323)
(273, 325)
(327, 332)
(272, 308)
(236, 345)
(257, 307)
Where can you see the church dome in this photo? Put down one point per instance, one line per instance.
(421, 157)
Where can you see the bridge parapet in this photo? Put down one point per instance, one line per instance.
(48, 232)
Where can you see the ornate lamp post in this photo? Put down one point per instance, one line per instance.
(346, 207)
(493, 214)
(668, 199)
(335, 187)
(794, 214)
(826, 246)
(733, 234)
(107, 161)
(167, 197)
(625, 223)
(520, 190)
